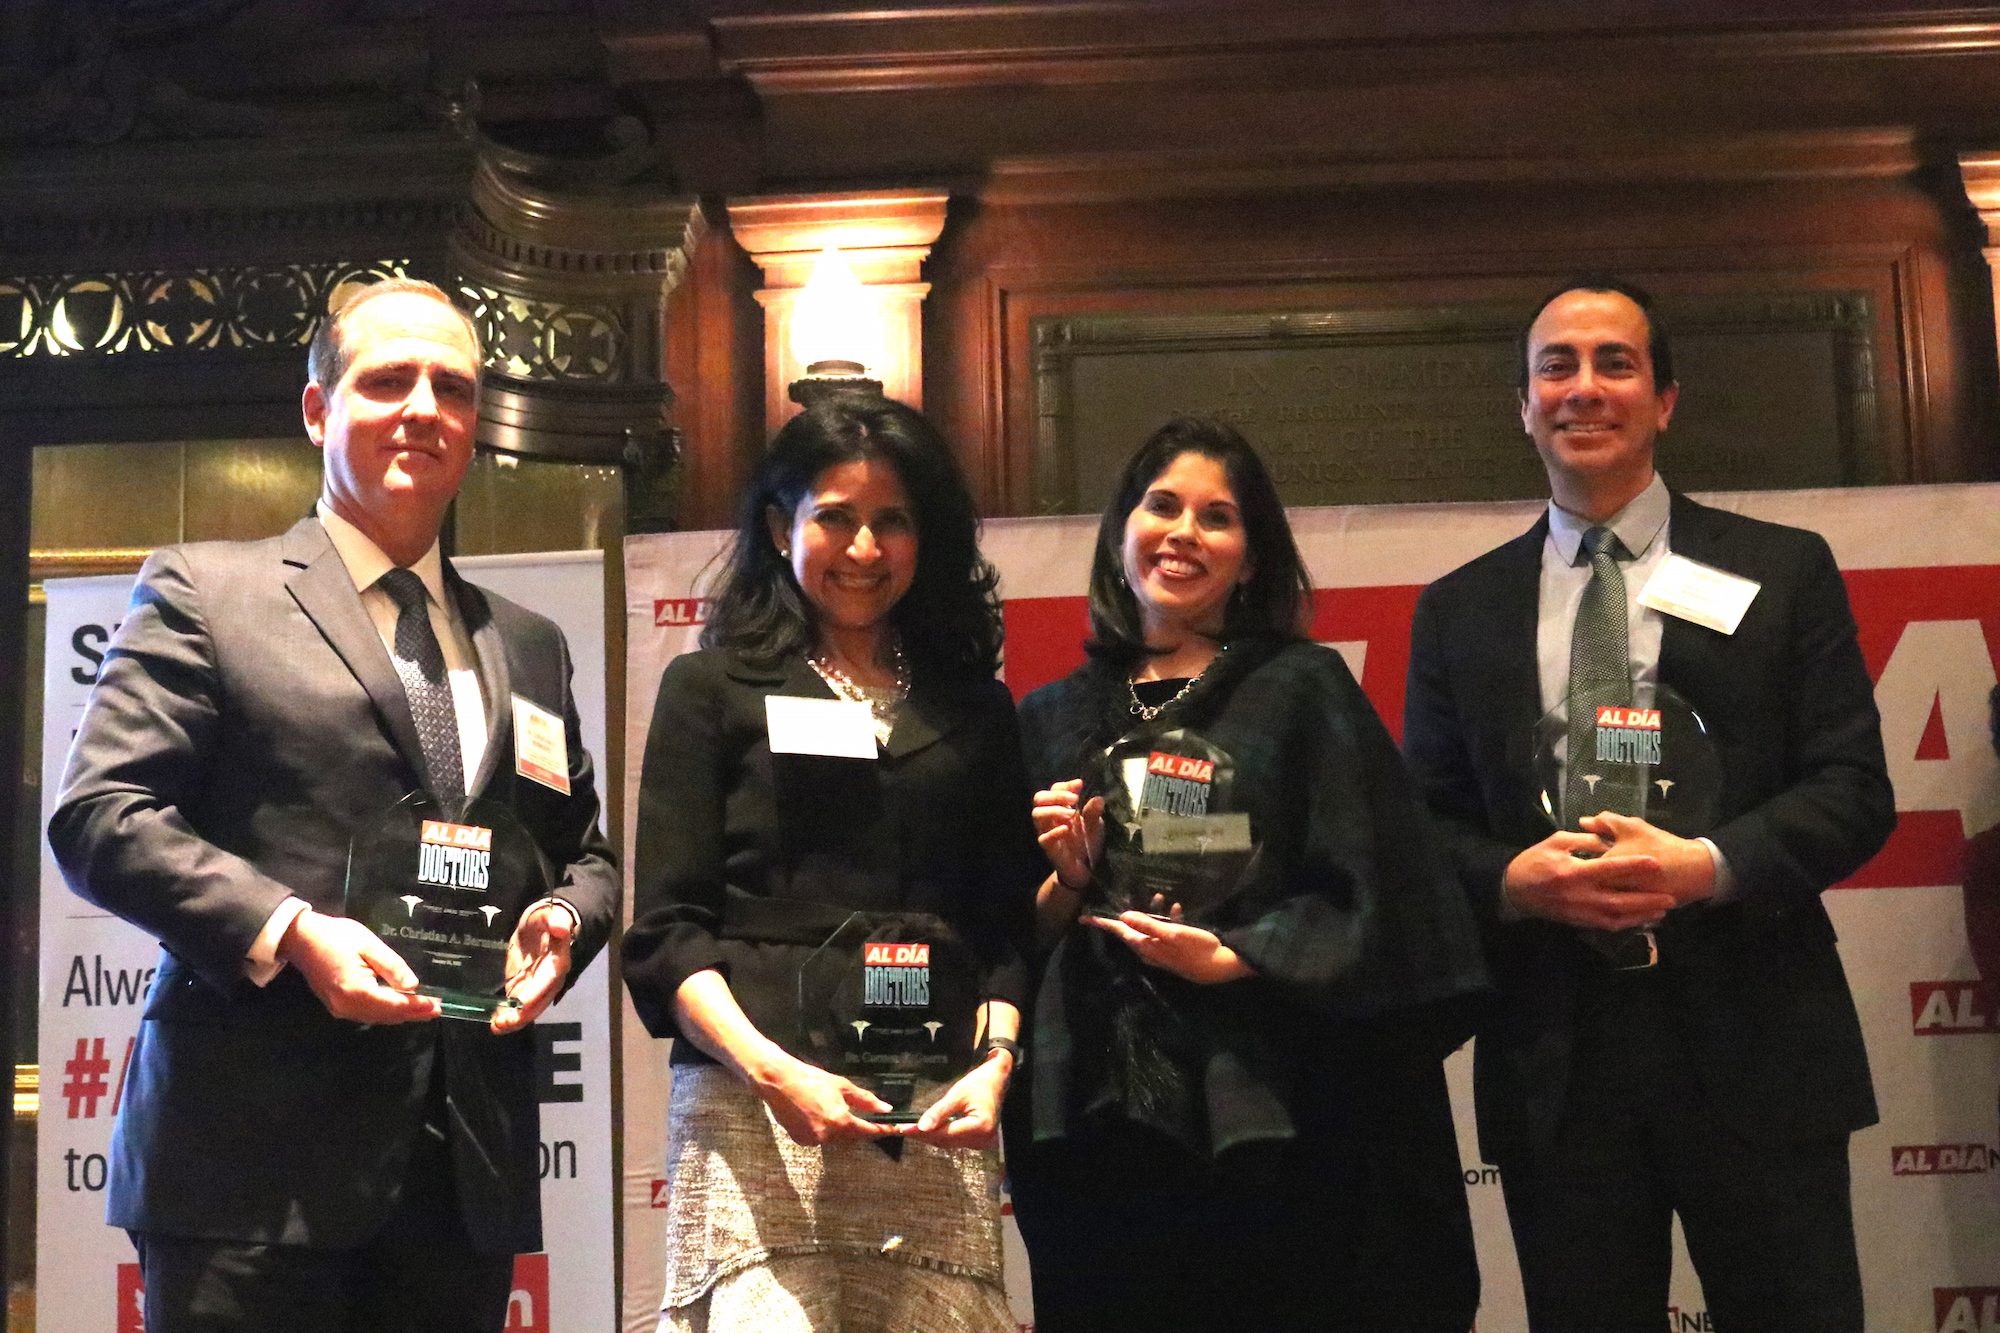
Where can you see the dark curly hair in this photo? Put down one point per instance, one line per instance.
(949, 619)
(1276, 599)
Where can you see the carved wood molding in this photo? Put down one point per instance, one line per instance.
(1138, 40)
(213, 229)
(1158, 174)
(1980, 171)
(569, 287)
(188, 189)
(68, 563)
(885, 234)
(213, 309)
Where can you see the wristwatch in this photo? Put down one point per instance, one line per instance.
(1007, 1044)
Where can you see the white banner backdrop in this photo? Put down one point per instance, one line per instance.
(95, 970)
(1923, 570)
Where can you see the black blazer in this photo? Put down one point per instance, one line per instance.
(247, 721)
(740, 854)
(1755, 984)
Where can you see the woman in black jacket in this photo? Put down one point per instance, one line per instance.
(855, 575)
(1240, 1120)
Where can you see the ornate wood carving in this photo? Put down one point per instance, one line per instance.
(569, 288)
(190, 310)
(1980, 173)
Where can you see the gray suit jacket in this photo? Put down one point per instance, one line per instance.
(247, 721)
(1756, 984)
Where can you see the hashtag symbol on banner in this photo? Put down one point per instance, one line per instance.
(83, 1077)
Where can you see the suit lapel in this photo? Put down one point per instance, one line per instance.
(1513, 612)
(496, 679)
(1687, 650)
(324, 590)
(925, 718)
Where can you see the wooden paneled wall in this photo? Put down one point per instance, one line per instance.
(1873, 217)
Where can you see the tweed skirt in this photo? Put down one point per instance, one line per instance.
(765, 1234)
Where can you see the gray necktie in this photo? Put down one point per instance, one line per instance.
(1600, 676)
(420, 662)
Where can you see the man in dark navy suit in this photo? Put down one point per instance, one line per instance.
(1721, 1082)
(301, 1147)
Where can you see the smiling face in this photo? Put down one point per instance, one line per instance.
(1185, 550)
(853, 544)
(397, 430)
(1591, 405)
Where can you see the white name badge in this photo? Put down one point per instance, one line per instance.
(541, 745)
(835, 727)
(1700, 593)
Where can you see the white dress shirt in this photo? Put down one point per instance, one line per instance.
(366, 564)
(1642, 525)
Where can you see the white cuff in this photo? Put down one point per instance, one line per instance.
(262, 963)
(575, 917)
(1724, 887)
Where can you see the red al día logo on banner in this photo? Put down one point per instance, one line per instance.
(1941, 1159)
(528, 1306)
(679, 612)
(1955, 1008)
(1966, 1309)
(131, 1300)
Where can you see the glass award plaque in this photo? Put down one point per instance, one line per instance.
(446, 894)
(1637, 750)
(1172, 834)
(891, 1003)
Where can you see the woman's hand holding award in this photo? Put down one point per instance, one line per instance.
(890, 1001)
(1173, 838)
(1635, 749)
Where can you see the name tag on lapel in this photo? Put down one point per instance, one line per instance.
(835, 727)
(541, 745)
(1699, 593)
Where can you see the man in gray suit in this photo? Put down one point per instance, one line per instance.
(301, 1147)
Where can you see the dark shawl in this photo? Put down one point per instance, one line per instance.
(1364, 945)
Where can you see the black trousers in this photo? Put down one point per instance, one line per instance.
(1358, 1225)
(420, 1274)
(1770, 1228)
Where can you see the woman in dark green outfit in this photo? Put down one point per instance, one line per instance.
(1243, 1122)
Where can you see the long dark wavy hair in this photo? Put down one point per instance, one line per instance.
(949, 619)
(1276, 598)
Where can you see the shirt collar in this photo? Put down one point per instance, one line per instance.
(1637, 525)
(366, 563)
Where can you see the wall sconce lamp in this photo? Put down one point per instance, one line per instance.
(842, 296)
(834, 333)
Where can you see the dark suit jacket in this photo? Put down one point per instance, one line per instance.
(744, 860)
(247, 721)
(1755, 984)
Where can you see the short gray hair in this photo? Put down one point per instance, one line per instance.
(328, 356)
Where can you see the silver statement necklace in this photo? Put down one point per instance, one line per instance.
(882, 700)
(1146, 713)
